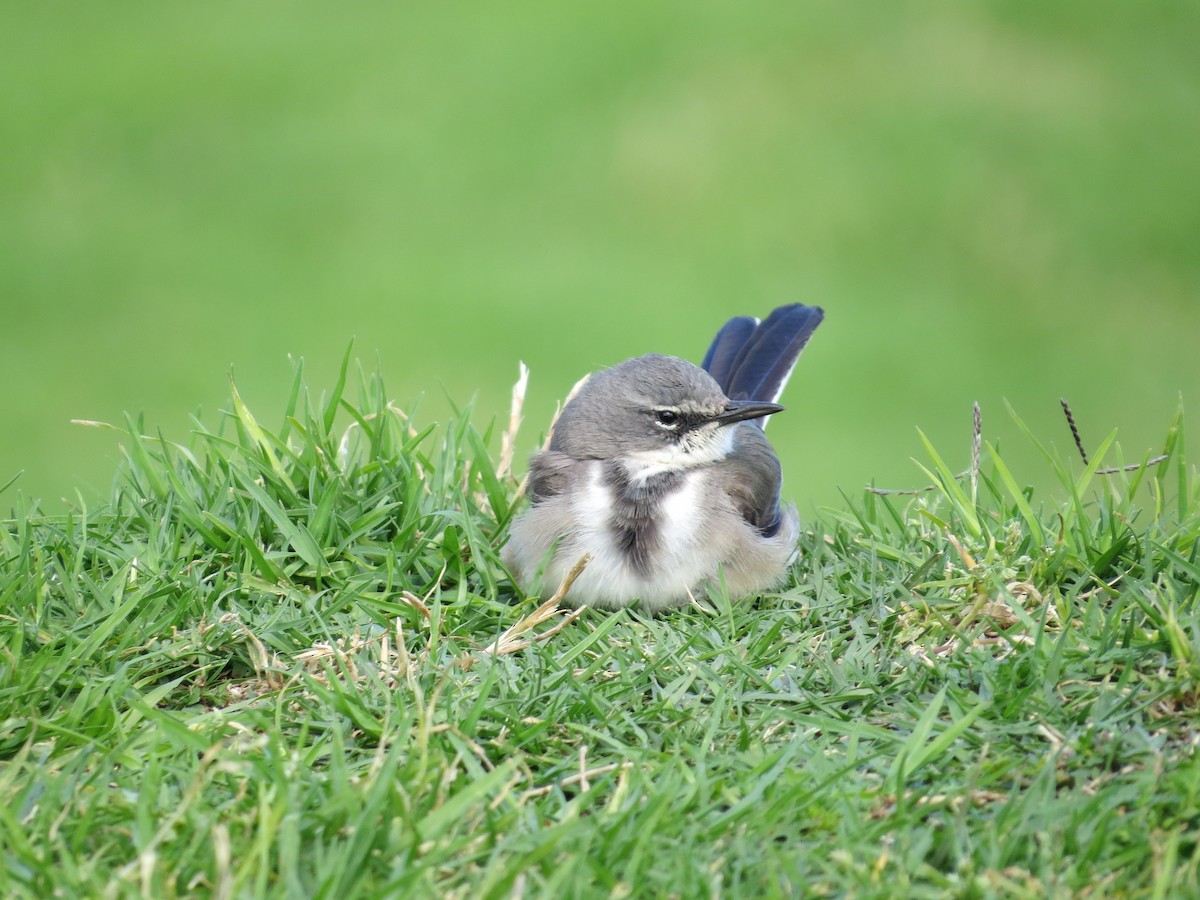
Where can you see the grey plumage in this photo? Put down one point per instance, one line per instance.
(664, 479)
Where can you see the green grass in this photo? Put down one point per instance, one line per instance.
(261, 669)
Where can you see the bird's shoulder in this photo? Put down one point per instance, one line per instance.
(550, 474)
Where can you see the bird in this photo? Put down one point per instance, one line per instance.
(661, 473)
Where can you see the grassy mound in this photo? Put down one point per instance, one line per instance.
(289, 663)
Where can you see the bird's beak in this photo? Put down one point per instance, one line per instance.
(741, 410)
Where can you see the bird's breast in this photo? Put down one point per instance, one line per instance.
(644, 528)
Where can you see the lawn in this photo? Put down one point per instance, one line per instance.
(282, 659)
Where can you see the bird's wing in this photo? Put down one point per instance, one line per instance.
(752, 477)
(549, 472)
(752, 360)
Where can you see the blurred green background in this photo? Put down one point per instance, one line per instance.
(991, 200)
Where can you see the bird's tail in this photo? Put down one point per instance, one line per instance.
(752, 359)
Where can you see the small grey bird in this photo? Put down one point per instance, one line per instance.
(660, 470)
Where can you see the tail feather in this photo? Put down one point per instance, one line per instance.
(751, 360)
(726, 346)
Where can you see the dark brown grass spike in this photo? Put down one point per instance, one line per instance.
(1066, 408)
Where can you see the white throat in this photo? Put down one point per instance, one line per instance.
(701, 447)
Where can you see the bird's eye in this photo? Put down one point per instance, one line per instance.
(667, 418)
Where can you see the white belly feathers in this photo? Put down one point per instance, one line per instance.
(687, 558)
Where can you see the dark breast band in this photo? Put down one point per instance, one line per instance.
(636, 517)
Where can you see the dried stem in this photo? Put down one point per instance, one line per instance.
(976, 445)
(1066, 408)
(508, 440)
(512, 640)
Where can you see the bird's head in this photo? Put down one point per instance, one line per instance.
(655, 414)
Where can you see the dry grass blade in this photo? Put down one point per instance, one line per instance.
(968, 560)
(1133, 467)
(696, 604)
(976, 446)
(902, 492)
(579, 778)
(508, 440)
(266, 664)
(512, 641)
(416, 603)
